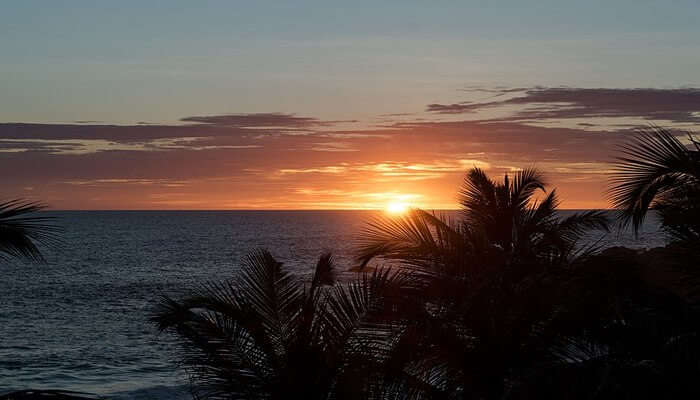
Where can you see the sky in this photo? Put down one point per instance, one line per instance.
(324, 105)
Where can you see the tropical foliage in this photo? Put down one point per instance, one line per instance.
(22, 231)
(500, 301)
(657, 171)
(268, 335)
(467, 306)
(622, 334)
(486, 281)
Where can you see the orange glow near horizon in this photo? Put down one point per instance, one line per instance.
(371, 182)
(284, 161)
(397, 208)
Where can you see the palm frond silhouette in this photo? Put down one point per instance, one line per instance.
(497, 220)
(657, 171)
(22, 232)
(483, 285)
(619, 335)
(500, 302)
(269, 335)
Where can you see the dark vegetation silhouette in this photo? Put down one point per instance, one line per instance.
(657, 171)
(269, 335)
(487, 282)
(22, 231)
(501, 302)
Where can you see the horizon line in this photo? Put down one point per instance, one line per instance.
(282, 209)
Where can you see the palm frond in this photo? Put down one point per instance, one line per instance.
(236, 335)
(477, 190)
(525, 183)
(360, 305)
(221, 352)
(652, 165)
(263, 335)
(272, 293)
(22, 231)
(417, 239)
(366, 323)
(574, 226)
(325, 272)
(536, 219)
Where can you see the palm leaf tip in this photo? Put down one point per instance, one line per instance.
(168, 313)
(652, 166)
(22, 232)
(572, 228)
(525, 184)
(325, 271)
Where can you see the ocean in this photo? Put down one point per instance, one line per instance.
(80, 322)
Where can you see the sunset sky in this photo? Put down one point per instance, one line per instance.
(325, 105)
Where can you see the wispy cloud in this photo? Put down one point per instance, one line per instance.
(674, 105)
(278, 160)
(387, 171)
(128, 181)
(259, 120)
(87, 146)
(330, 169)
(333, 147)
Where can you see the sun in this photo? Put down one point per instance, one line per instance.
(396, 208)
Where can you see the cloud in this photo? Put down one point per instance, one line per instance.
(675, 105)
(259, 120)
(233, 125)
(128, 181)
(234, 131)
(456, 108)
(275, 160)
(333, 147)
(87, 146)
(266, 122)
(330, 169)
(388, 171)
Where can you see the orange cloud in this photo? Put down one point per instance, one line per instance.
(279, 160)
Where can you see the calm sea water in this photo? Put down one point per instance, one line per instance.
(80, 322)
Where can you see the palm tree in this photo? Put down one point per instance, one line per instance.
(22, 231)
(500, 219)
(657, 171)
(483, 286)
(619, 335)
(269, 335)
(654, 339)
